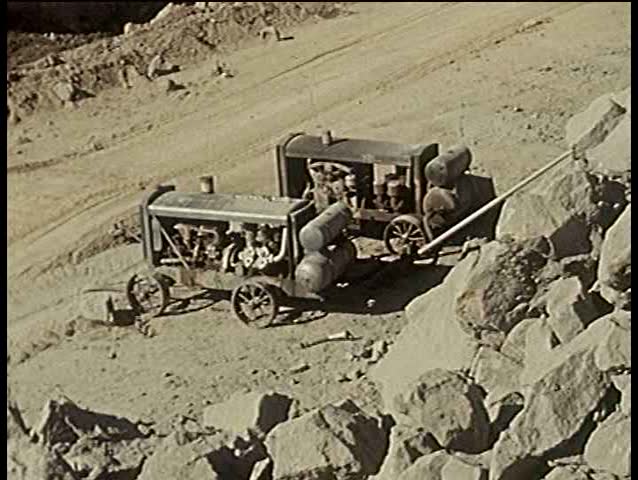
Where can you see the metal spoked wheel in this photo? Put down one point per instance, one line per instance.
(147, 294)
(404, 235)
(255, 303)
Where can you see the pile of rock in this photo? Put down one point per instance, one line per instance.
(519, 364)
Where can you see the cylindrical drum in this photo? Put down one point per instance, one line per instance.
(320, 231)
(448, 166)
(318, 270)
(439, 206)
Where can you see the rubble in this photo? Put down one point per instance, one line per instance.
(554, 416)
(187, 32)
(448, 406)
(335, 442)
(609, 447)
(249, 414)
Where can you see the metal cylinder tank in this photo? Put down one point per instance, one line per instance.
(319, 270)
(319, 232)
(447, 167)
(439, 206)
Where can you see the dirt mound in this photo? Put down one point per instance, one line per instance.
(183, 34)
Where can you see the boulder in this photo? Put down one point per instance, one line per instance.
(444, 466)
(614, 269)
(205, 456)
(570, 309)
(429, 467)
(502, 409)
(255, 413)
(432, 338)
(559, 206)
(614, 351)
(539, 342)
(587, 340)
(623, 99)
(567, 473)
(407, 445)
(609, 447)
(335, 442)
(456, 469)
(66, 92)
(515, 342)
(613, 155)
(554, 416)
(448, 406)
(62, 421)
(623, 385)
(501, 280)
(590, 127)
(496, 372)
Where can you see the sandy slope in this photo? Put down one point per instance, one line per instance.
(408, 72)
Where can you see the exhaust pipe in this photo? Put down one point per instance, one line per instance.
(326, 137)
(207, 184)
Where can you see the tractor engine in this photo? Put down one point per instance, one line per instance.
(391, 195)
(261, 246)
(201, 244)
(330, 183)
(226, 247)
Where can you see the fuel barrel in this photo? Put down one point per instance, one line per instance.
(319, 270)
(320, 231)
(447, 167)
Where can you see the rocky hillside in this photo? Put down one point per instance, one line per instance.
(52, 70)
(518, 366)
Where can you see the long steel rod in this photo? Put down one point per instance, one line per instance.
(487, 207)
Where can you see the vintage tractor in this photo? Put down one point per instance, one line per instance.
(404, 194)
(262, 248)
